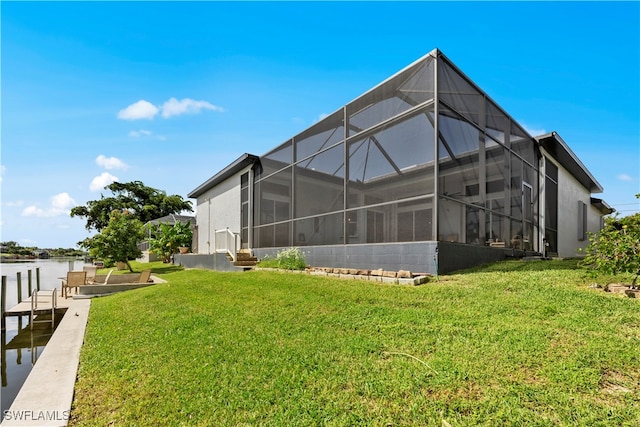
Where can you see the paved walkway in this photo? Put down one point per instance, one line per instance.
(46, 396)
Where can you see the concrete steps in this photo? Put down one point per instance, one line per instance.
(244, 259)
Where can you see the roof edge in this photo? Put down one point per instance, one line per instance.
(602, 206)
(240, 163)
(559, 150)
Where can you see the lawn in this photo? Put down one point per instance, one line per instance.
(514, 343)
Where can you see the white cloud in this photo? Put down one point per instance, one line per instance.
(33, 211)
(110, 162)
(101, 181)
(139, 110)
(173, 107)
(625, 177)
(61, 204)
(139, 133)
(143, 133)
(533, 131)
(62, 201)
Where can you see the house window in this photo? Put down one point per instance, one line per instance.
(244, 209)
(582, 221)
(551, 208)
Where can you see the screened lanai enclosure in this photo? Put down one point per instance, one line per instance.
(424, 172)
(367, 174)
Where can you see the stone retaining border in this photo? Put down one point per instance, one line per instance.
(622, 289)
(401, 277)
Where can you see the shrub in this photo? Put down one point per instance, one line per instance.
(288, 259)
(167, 238)
(616, 248)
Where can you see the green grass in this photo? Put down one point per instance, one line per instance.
(513, 343)
(156, 267)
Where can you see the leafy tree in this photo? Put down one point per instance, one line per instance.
(11, 244)
(118, 241)
(167, 238)
(144, 203)
(12, 247)
(616, 248)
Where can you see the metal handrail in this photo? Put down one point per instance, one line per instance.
(228, 243)
(34, 307)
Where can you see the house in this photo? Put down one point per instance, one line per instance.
(424, 172)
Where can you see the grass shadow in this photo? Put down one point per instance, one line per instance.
(522, 265)
(156, 267)
(166, 268)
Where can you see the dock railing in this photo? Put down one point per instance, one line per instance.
(50, 296)
(226, 241)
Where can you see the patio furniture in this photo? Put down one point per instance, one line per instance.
(145, 276)
(91, 273)
(74, 279)
(106, 279)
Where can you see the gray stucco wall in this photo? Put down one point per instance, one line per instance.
(217, 209)
(415, 257)
(570, 192)
(388, 256)
(218, 262)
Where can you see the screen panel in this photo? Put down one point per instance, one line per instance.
(460, 94)
(459, 163)
(319, 183)
(408, 89)
(273, 198)
(329, 131)
(393, 163)
(320, 230)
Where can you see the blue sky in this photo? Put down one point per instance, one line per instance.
(170, 93)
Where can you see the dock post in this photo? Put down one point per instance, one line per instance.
(29, 287)
(19, 277)
(38, 278)
(4, 303)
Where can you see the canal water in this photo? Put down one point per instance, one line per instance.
(21, 346)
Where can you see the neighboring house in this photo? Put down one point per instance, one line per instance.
(424, 172)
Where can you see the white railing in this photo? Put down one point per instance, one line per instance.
(226, 241)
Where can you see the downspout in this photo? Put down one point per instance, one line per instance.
(345, 182)
(209, 227)
(250, 207)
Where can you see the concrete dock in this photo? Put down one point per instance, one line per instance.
(46, 396)
(44, 305)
